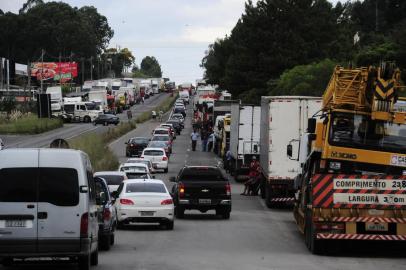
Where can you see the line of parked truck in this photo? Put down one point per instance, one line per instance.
(102, 96)
(339, 159)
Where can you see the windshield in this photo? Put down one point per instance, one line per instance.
(145, 187)
(360, 131)
(133, 175)
(112, 179)
(137, 169)
(160, 138)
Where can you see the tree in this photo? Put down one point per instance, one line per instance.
(304, 80)
(151, 67)
(118, 59)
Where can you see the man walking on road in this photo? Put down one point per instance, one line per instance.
(194, 136)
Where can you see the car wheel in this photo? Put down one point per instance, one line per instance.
(112, 239)
(166, 170)
(7, 262)
(127, 154)
(115, 124)
(105, 242)
(94, 123)
(179, 212)
(94, 257)
(84, 262)
(226, 215)
(120, 225)
(105, 124)
(169, 225)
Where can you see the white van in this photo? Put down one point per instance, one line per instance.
(47, 206)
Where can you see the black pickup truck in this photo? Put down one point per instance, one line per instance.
(202, 188)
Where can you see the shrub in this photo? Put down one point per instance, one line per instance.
(29, 124)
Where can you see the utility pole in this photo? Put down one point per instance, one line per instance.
(91, 68)
(28, 81)
(60, 71)
(1, 73)
(42, 69)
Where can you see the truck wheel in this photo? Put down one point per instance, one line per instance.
(315, 246)
(87, 119)
(262, 189)
(112, 239)
(268, 196)
(179, 212)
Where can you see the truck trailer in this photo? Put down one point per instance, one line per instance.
(244, 138)
(283, 121)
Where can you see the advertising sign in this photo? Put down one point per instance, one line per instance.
(56, 71)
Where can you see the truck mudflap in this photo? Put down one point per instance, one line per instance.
(359, 191)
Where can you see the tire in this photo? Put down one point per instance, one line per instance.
(7, 262)
(315, 246)
(179, 212)
(166, 170)
(94, 257)
(120, 225)
(127, 154)
(262, 189)
(169, 225)
(112, 239)
(268, 196)
(226, 215)
(84, 262)
(105, 242)
(105, 124)
(87, 119)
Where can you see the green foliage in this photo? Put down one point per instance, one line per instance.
(118, 59)
(8, 104)
(274, 36)
(305, 80)
(101, 157)
(30, 124)
(55, 27)
(150, 67)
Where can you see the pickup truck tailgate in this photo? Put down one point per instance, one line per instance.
(205, 189)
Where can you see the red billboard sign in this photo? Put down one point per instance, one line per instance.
(63, 71)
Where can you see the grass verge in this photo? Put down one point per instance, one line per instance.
(96, 146)
(30, 124)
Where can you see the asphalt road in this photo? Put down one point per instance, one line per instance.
(69, 131)
(254, 238)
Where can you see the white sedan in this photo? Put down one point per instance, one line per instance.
(158, 158)
(145, 201)
(135, 170)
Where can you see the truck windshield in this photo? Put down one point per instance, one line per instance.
(360, 131)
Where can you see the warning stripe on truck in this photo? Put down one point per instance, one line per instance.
(361, 219)
(359, 191)
(378, 237)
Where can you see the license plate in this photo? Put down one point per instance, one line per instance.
(16, 224)
(147, 213)
(376, 227)
(204, 201)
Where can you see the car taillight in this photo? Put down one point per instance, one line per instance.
(164, 158)
(106, 214)
(167, 202)
(228, 189)
(181, 190)
(126, 202)
(84, 225)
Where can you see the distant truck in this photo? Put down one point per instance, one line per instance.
(56, 100)
(155, 85)
(99, 97)
(283, 122)
(244, 138)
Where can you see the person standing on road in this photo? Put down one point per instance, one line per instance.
(228, 158)
(129, 114)
(161, 115)
(153, 115)
(204, 138)
(194, 136)
(1, 144)
(250, 184)
(210, 141)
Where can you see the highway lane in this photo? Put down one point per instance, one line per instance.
(254, 238)
(69, 131)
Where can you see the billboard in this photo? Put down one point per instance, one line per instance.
(56, 71)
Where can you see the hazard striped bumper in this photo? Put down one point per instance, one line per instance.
(376, 237)
(285, 200)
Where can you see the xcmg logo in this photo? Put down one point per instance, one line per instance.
(335, 154)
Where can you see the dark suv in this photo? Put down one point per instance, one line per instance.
(135, 146)
(107, 214)
(202, 188)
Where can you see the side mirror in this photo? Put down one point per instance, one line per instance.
(289, 150)
(311, 125)
(126, 143)
(172, 179)
(312, 137)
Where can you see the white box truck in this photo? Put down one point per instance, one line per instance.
(244, 138)
(56, 100)
(283, 121)
(99, 97)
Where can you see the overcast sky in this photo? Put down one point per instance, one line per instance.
(176, 32)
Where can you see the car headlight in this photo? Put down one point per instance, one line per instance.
(335, 165)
